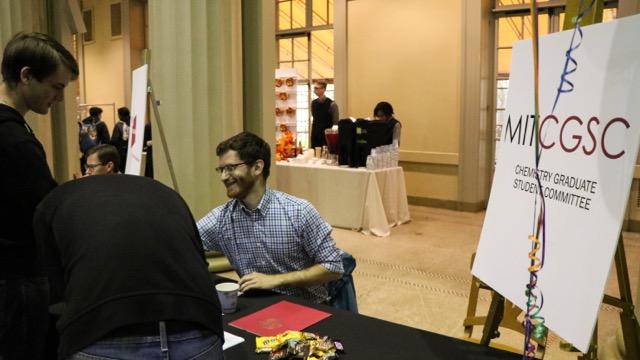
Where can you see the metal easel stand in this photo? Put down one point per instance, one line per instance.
(628, 320)
(156, 113)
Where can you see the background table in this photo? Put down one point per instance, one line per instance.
(371, 201)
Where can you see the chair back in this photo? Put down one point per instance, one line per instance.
(342, 292)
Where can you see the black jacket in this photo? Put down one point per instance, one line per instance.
(136, 258)
(25, 179)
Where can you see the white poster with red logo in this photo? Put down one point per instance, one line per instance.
(589, 145)
(138, 114)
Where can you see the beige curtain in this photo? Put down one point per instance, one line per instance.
(196, 73)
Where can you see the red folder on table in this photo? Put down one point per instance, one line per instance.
(280, 317)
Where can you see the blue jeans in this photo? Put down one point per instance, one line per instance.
(188, 345)
(24, 315)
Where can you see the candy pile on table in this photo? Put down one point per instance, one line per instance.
(298, 345)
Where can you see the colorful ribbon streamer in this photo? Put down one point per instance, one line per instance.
(570, 60)
(534, 323)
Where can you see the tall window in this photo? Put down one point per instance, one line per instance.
(304, 38)
(512, 23)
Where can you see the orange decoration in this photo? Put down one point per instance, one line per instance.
(290, 82)
(285, 145)
(279, 82)
(291, 111)
(283, 96)
(278, 112)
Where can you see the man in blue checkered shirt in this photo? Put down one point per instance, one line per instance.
(273, 240)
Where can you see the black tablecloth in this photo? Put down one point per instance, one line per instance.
(363, 337)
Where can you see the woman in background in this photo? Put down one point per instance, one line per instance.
(384, 112)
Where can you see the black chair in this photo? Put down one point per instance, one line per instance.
(342, 292)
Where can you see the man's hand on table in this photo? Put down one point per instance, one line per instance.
(257, 280)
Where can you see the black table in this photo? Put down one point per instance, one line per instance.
(363, 337)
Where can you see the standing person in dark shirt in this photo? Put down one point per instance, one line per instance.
(120, 136)
(325, 114)
(148, 148)
(35, 71)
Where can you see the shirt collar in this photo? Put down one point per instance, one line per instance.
(262, 206)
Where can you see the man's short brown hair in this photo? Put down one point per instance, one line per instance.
(106, 153)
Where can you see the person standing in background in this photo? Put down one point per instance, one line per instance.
(384, 112)
(120, 136)
(35, 71)
(325, 114)
(148, 147)
(92, 132)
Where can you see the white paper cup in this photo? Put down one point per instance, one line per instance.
(228, 296)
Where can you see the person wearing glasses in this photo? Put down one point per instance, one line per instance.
(325, 114)
(92, 132)
(102, 159)
(36, 69)
(273, 240)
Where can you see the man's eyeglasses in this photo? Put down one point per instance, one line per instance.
(230, 167)
(91, 167)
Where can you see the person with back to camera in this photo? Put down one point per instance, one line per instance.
(273, 240)
(325, 114)
(384, 112)
(135, 283)
(120, 136)
(35, 71)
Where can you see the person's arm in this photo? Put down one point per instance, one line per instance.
(208, 229)
(314, 275)
(396, 132)
(335, 113)
(116, 136)
(50, 257)
(104, 133)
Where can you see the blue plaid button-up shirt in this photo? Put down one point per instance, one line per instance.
(281, 235)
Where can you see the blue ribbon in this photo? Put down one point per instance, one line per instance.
(570, 60)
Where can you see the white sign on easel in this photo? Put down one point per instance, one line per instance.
(138, 117)
(589, 148)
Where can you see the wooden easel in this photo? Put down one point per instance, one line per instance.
(628, 320)
(499, 316)
(502, 313)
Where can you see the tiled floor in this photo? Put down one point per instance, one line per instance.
(420, 277)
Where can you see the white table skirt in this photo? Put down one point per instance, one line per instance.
(367, 201)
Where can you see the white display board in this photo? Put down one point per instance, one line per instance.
(138, 117)
(590, 144)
